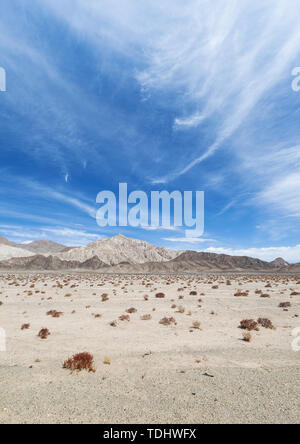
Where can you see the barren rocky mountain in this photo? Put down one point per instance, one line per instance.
(4, 241)
(279, 263)
(36, 247)
(117, 249)
(124, 255)
(194, 262)
(45, 247)
(7, 252)
(47, 263)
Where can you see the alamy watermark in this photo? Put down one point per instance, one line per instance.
(296, 81)
(161, 209)
(2, 79)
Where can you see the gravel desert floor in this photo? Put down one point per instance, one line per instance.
(166, 348)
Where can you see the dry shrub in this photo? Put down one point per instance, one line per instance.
(81, 361)
(107, 360)
(215, 287)
(55, 314)
(196, 325)
(113, 324)
(68, 295)
(124, 318)
(167, 321)
(181, 309)
(44, 333)
(265, 295)
(146, 317)
(284, 305)
(249, 324)
(240, 293)
(193, 293)
(160, 295)
(146, 297)
(228, 282)
(1, 303)
(131, 310)
(247, 337)
(295, 293)
(25, 327)
(104, 297)
(266, 323)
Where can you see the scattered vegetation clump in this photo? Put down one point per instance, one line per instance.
(55, 314)
(240, 293)
(193, 293)
(68, 295)
(44, 333)
(247, 337)
(1, 303)
(196, 325)
(80, 361)
(167, 321)
(295, 293)
(124, 318)
(131, 310)
(285, 304)
(181, 309)
(266, 323)
(160, 295)
(249, 324)
(215, 287)
(107, 361)
(265, 295)
(25, 327)
(146, 317)
(104, 297)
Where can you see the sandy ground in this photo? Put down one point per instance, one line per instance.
(158, 373)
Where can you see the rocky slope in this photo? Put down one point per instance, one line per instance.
(7, 252)
(125, 255)
(47, 263)
(45, 247)
(117, 249)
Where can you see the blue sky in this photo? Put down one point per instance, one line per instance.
(162, 95)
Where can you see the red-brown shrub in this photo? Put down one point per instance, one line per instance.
(81, 361)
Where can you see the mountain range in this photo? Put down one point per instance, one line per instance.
(125, 255)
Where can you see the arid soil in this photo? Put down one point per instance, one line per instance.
(166, 348)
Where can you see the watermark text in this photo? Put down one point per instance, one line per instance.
(161, 209)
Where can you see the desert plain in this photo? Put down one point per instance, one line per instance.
(166, 348)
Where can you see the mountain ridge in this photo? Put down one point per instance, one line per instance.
(122, 254)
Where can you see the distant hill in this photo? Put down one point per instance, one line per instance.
(47, 263)
(45, 247)
(117, 249)
(125, 255)
(7, 252)
(4, 241)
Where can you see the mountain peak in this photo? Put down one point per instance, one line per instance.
(279, 262)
